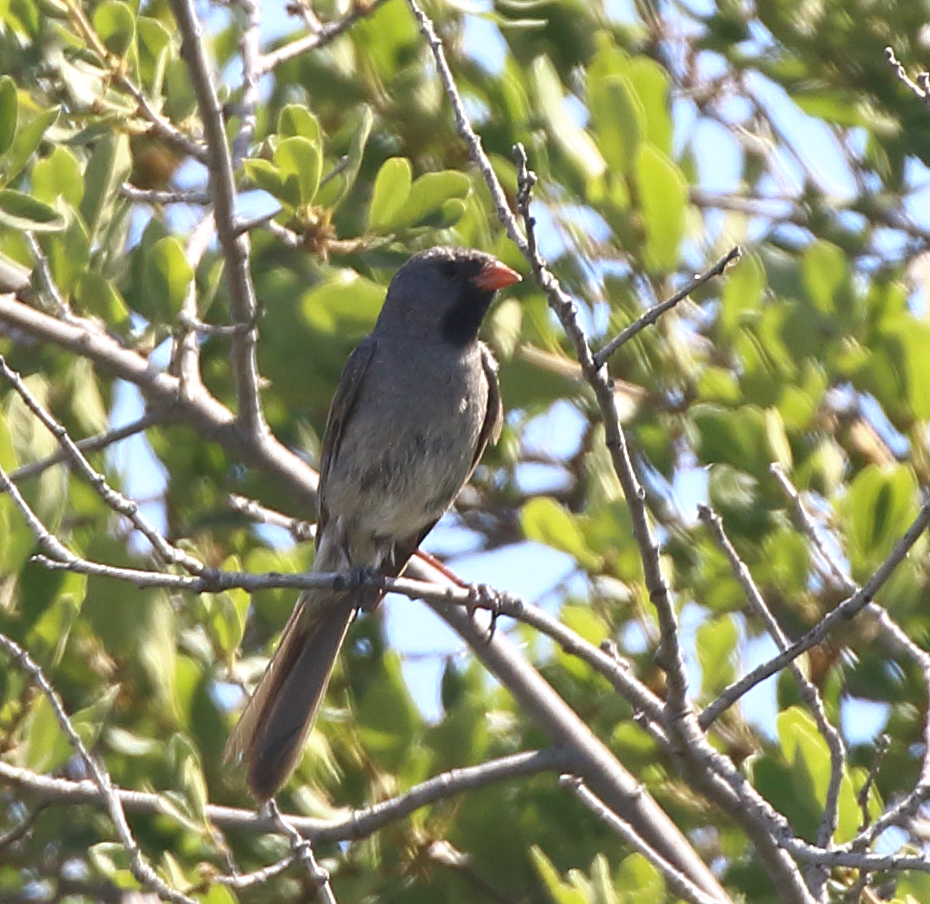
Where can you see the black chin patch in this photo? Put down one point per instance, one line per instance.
(460, 324)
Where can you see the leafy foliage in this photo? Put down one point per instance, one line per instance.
(812, 354)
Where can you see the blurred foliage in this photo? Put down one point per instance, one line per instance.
(659, 143)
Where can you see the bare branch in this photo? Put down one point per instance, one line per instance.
(708, 769)
(656, 311)
(358, 824)
(303, 851)
(680, 884)
(60, 306)
(808, 692)
(235, 247)
(158, 197)
(101, 778)
(317, 38)
(300, 530)
(894, 637)
(116, 501)
(91, 444)
(160, 125)
(250, 48)
(848, 609)
(208, 417)
(920, 89)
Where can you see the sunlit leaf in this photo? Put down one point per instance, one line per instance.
(391, 191)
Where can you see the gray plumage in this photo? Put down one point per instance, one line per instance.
(415, 407)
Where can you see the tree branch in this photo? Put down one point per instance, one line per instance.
(101, 779)
(356, 825)
(235, 247)
(210, 419)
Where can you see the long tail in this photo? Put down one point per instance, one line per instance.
(271, 732)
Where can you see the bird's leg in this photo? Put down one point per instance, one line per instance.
(440, 567)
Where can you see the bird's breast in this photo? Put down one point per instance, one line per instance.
(408, 448)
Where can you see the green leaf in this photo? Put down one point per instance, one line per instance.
(824, 272)
(300, 163)
(387, 715)
(9, 106)
(158, 654)
(265, 175)
(430, 192)
(652, 85)
(742, 293)
(297, 121)
(28, 138)
(639, 881)
(169, 277)
(98, 295)
(59, 174)
(217, 894)
(345, 303)
(715, 645)
(801, 742)
(43, 736)
(115, 23)
(24, 212)
(662, 196)
(392, 188)
(337, 188)
(618, 117)
(108, 168)
(574, 142)
(559, 891)
(545, 521)
(880, 506)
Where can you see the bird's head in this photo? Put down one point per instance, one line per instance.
(446, 291)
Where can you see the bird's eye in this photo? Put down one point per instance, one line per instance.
(449, 270)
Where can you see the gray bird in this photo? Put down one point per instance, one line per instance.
(415, 407)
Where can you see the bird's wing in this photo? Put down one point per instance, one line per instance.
(344, 401)
(494, 415)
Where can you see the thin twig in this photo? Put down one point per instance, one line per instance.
(680, 884)
(115, 500)
(90, 444)
(185, 351)
(101, 779)
(159, 196)
(352, 827)
(235, 247)
(656, 311)
(920, 88)
(894, 637)
(60, 306)
(299, 529)
(806, 689)
(316, 39)
(160, 125)
(207, 416)
(845, 611)
(250, 49)
(708, 769)
(303, 851)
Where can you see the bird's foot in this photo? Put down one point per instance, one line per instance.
(484, 596)
(367, 577)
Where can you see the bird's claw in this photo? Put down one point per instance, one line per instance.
(483, 596)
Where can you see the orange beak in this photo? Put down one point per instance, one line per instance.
(496, 275)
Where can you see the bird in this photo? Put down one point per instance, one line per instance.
(414, 409)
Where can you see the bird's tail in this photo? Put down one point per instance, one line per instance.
(271, 732)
